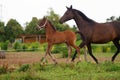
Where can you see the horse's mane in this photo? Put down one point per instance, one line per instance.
(84, 16)
(52, 25)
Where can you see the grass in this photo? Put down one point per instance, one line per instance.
(62, 71)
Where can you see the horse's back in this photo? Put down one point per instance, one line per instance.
(116, 25)
(70, 35)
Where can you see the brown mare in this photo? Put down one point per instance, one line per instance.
(93, 32)
(55, 37)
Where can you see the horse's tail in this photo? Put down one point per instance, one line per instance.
(77, 32)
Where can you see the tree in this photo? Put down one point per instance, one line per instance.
(2, 31)
(12, 30)
(113, 18)
(54, 18)
(31, 26)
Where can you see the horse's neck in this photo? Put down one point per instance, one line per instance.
(49, 30)
(79, 21)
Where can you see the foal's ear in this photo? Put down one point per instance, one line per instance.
(44, 17)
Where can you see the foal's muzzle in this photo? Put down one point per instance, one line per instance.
(38, 27)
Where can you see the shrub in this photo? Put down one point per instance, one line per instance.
(35, 46)
(17, 46)
(24, 68)
(4, 46)
(24, 47)
(3, 70)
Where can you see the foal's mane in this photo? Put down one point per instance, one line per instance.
(52, 25)
(84, 16)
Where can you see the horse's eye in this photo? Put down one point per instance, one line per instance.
(67, 13)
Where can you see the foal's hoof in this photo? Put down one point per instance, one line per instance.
(56, 63)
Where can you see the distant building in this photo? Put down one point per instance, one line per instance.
(31, 38)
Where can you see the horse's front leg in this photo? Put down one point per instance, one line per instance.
(44, 58)
(69, 53)
(90, 52)
(49, 52)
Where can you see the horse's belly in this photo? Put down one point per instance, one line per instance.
(102, 39)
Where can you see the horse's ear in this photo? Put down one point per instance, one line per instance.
(71, 7)
(67, 7)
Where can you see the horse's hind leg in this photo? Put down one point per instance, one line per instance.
(69, 52)
(81, 46)
(116, 43)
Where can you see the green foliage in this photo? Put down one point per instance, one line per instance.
(3, 70)
(35, 46)
(60, 48)
(4, 45)
(24, 47)
(12, 30)
(113, 18)
(31, 26)
(80, 71)
(106, 48)
(2, 31)
(24, 68)
(17, 46)
(54, 18)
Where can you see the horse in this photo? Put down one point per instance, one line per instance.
(93, 32)
(55, 37)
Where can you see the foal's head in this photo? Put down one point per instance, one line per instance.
(68, 15)
(42, 23)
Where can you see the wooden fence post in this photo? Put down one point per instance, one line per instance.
(2, 54)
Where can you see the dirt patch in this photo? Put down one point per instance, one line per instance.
(18, 58)
(26, 58)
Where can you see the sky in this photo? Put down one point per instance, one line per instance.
(24, 10)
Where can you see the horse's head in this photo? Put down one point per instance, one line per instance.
(42, 23)
(68, 15)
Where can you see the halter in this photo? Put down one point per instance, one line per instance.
(42, 25)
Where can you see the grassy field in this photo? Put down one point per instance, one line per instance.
(62, 71)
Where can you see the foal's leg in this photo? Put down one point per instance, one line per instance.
(69, 52)
(48, 51)
(116, 43)
(77, 51)
(81, 46)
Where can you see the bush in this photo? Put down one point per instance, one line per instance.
(3, 70)
(35, 46)
(4, 46)
(24, 47)
(24, 68)
(17, 46)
